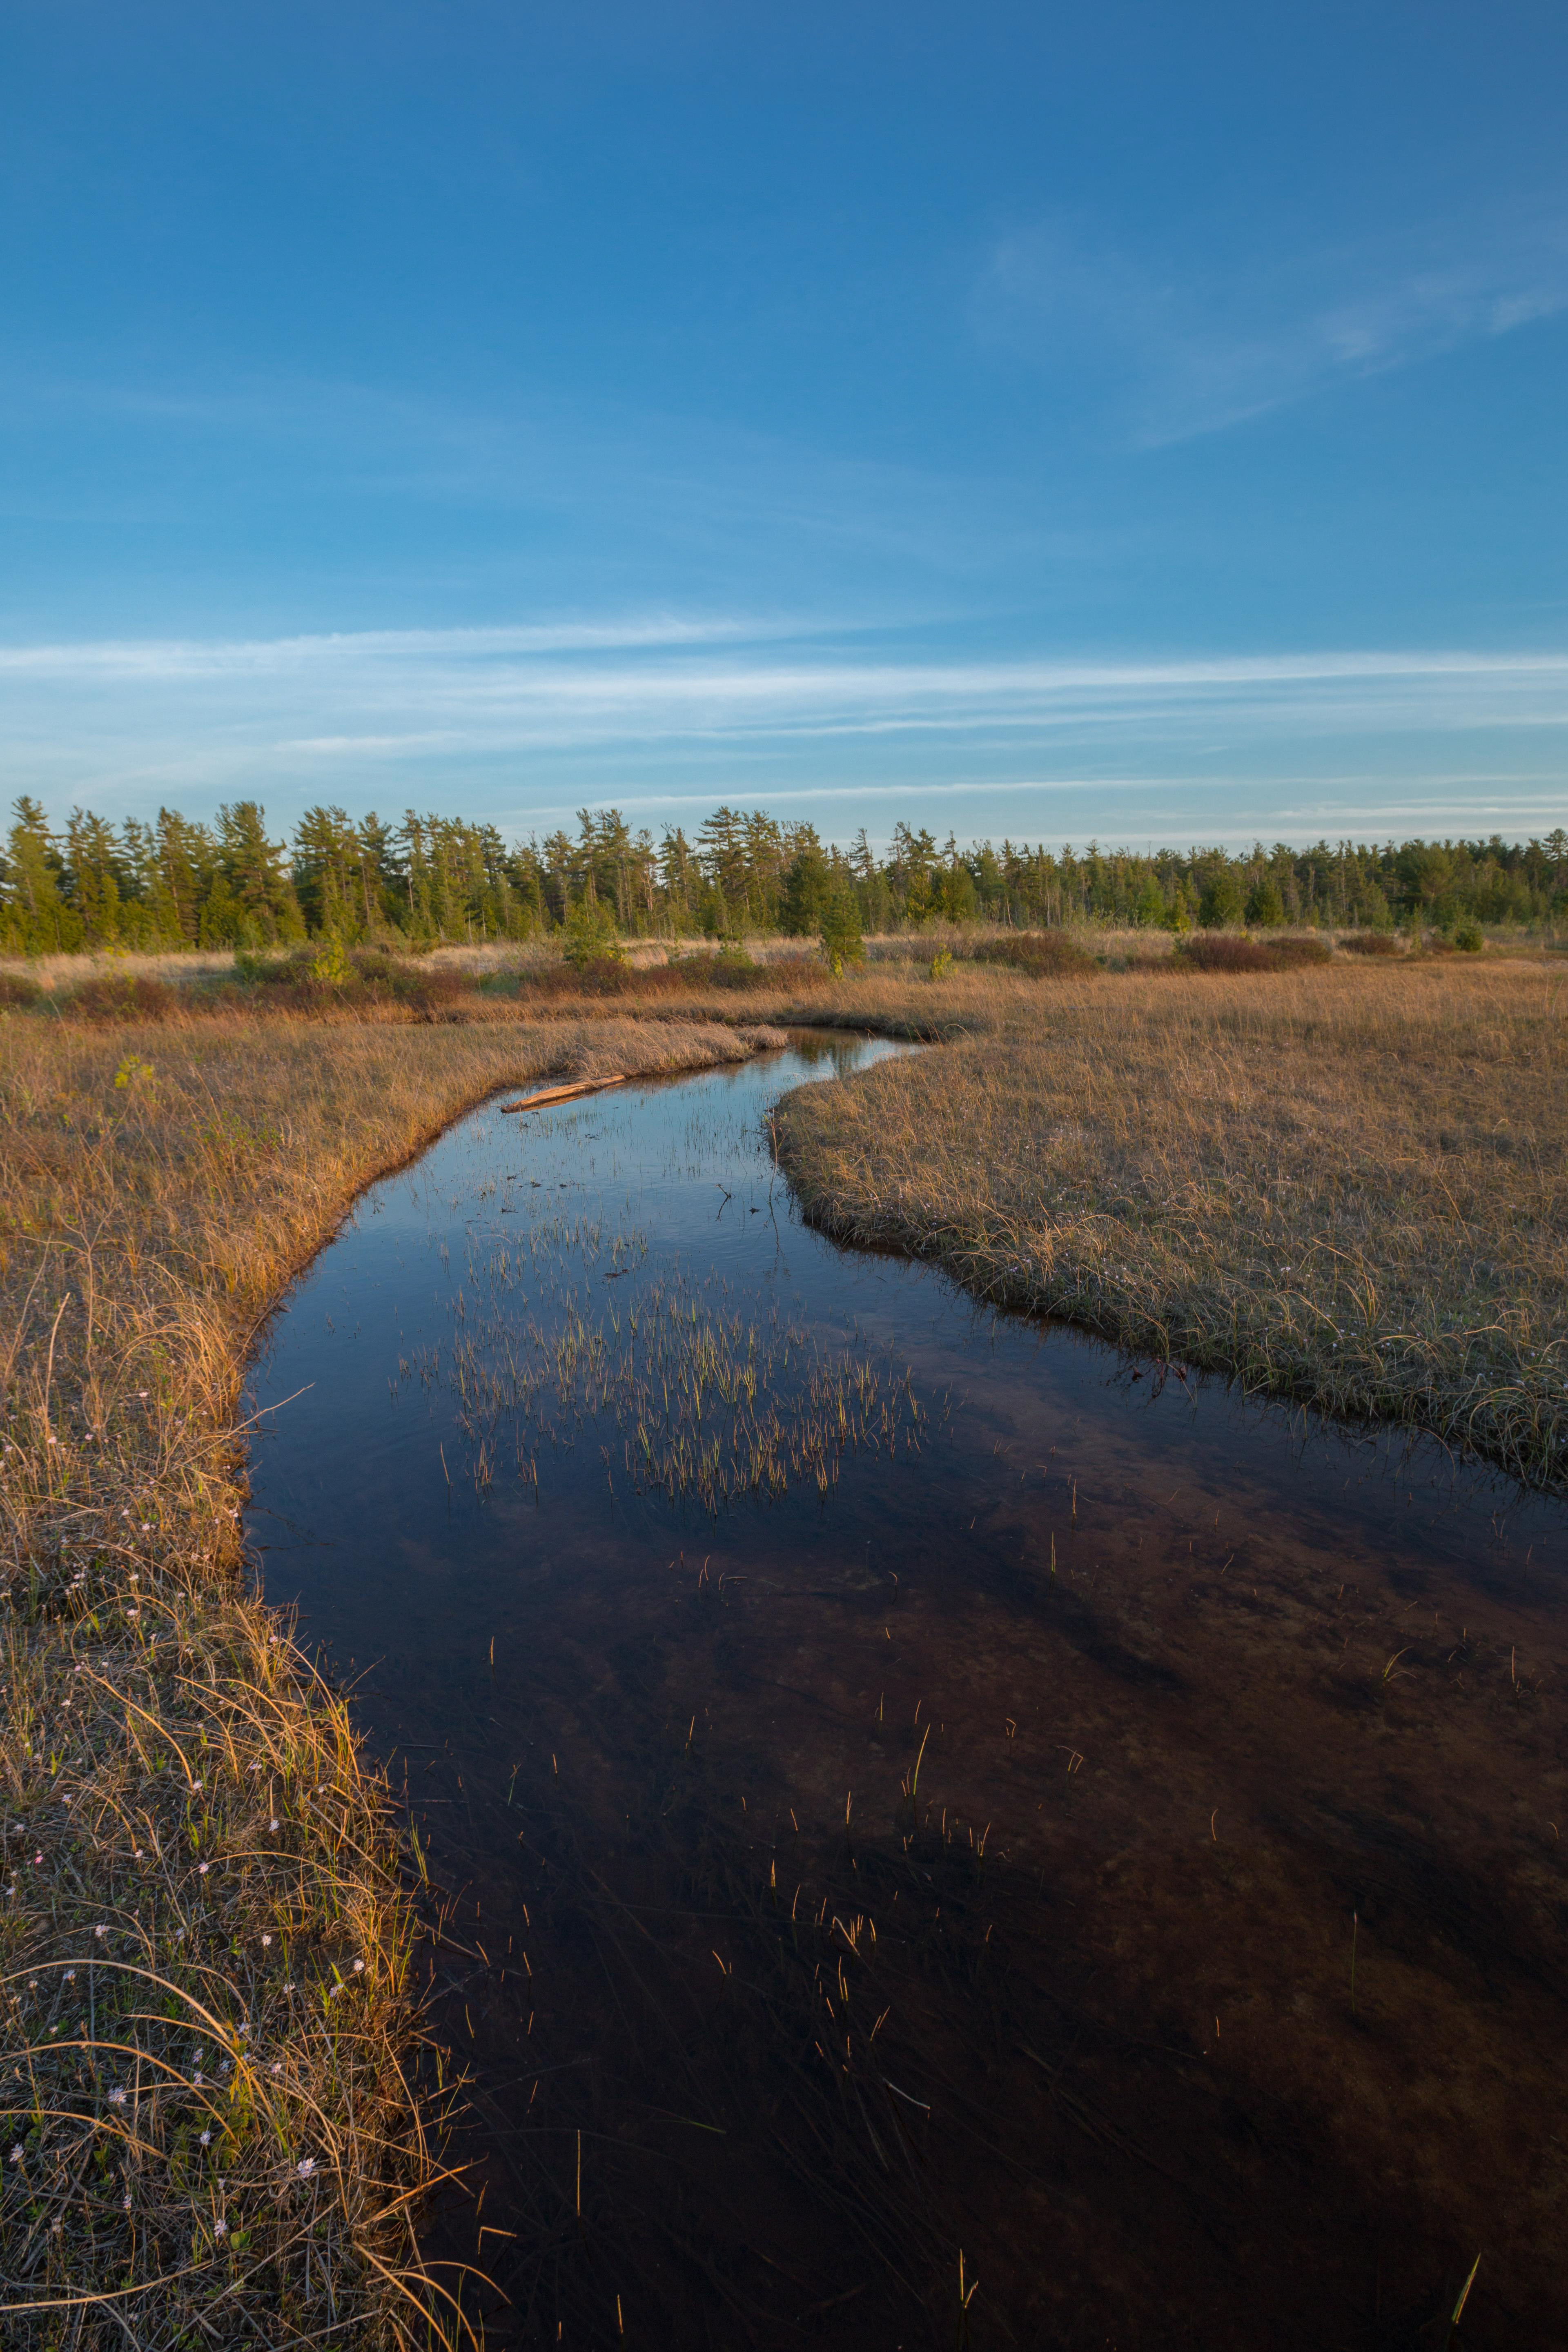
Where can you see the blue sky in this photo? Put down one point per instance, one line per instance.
(1140, 422)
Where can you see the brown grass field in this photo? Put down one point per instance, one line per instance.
(1347, 1186)
(204, 1944)
(1344, 1185)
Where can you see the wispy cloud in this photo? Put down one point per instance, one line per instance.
(1178, 353)
(660, 706)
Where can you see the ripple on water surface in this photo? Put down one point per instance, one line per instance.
(912, 1783)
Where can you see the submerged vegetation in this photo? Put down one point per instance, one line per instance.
(709, 1403)
(1339, 1183)
(203, 1941)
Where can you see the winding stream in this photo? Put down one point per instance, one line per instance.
(905, 1789)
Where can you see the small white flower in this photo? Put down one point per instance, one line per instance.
(16, 2153)
(206, 2136)
(100, 1933)
(136, 1854)
(277, 2065)
(220, 2228)
(266, 1940)
(306, 2165)
(70, 1976)
(288, 1987)
(196, 1784)
(202, 1869)
(198, 2082)
(276, 1824)
(126, 2201)
(358, 1966)
(116, 2096)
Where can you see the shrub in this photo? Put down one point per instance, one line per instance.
(17, 989)
(1296, 954)
(1229, 954)
(840, 923)
(1368, 943)
(128, 997)
(1043, 955)
(591, 936)
(1469, 938)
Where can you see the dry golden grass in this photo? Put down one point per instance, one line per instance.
(203, 1942)
(1345, 1186)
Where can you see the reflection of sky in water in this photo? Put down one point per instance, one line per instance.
(669, 1189)
(1184, 1682)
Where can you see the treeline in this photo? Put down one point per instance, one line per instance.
(171, 883)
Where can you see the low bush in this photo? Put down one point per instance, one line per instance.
(16, 990)
(1469, 938)
(1368, 943)
(123, 997)
(686, 976)
(1227, 951)
(1043, 955)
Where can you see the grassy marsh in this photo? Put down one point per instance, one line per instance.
(1343, 1185)
(191, 1834)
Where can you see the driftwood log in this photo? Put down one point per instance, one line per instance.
(565, 1094)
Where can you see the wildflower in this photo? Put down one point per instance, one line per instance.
(136, 1854)
(202, 1869)
(16, 2153)
(36, 1859)
(70, 1976)
(197, 2079)
(288, 1987)
(100, 1933)
(116, 2096)
(126, 2201)
(196, 1784)
(306, 2165)
(206, 2136)
(277, 2065)
(220, 2228)
(275, 1824)
(359, 1966)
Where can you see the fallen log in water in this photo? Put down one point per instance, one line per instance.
(565, 1094)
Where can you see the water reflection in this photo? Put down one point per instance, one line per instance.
(904, 1777)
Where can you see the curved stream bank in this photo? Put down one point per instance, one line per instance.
(911, 1784)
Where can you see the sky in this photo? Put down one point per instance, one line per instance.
(1136, 422)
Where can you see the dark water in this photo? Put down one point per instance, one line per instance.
(947, 1865)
